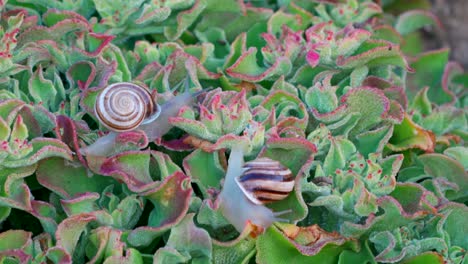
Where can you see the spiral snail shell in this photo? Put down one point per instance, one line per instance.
(265, 180)
(124, 106)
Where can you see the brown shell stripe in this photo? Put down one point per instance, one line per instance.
(265, 181)
(123, 106)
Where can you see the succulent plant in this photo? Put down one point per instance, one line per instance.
(367, 128)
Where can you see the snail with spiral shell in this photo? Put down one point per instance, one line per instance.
(124, 106)
(248, 187)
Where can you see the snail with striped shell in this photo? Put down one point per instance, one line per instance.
(247, 187)
(124, 106)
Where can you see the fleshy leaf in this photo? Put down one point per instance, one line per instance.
(438, 165)
(171, 201)
(414, 20)
(68, 179)
(408, 135)
(281, 244)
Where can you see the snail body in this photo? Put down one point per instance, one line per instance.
(236, 201)
(140, 111)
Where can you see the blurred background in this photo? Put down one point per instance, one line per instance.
(453, 15)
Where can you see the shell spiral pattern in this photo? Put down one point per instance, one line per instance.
(123, 107)
(265, 180)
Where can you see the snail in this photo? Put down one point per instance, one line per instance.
(265, 180)
(248, 187)
(122, 107)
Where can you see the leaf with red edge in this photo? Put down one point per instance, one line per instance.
(285, 243)
(438, 165)
(56, 32)
(104, 242)
(246, 68)
(204, 169)
(415, 19)
(69, 231)
(394, 216)
(184, 20)
(41, 89)
(189, 239)
(18, 246)
(409, 135)
(371, 103)
(171, 202)
(69, 180)
(429, 69)
(374, 53)
(425, 258)
(81, 74)
(96, 43)
(138, 169)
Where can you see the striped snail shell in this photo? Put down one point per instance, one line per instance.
(265, 180)
(124, 106)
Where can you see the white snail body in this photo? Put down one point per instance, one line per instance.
(155, 121)
(239, 208)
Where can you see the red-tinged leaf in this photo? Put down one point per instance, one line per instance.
(69, 180)
(153, 14)
(171, 202)
(59, 255)
(66, 130)
(438, 165)
(409, 135)
(106, 242)
(373, 141)
(82, 203)
(38, 120)
(425, 258)
(413, 198)
(429, 70)
(455, 223)
(239, 250)
(9, 110)
(14, 239)
(281, 149)
(415, 19)
(394, 216)
(246, 67)
(204, 169)
(132, 168)
(132, 256)
(184, 20)
(69, 231)
(42, 148)
(374, 53)
(53, 16)
(42, 90)
(452, 70)
(187, 237)
(286, 243)
(56, 32)
(81, 74)
(370, 102)
(96, 43)
(388, 33)
(281, 103)
(185, 64)
(46, 214)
